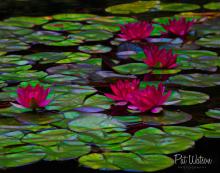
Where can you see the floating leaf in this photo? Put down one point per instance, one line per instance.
(66, 151)
(62, 26)
(211, 130)
(49, 137)
(97, 122)
(95, 49)
(213, 113)
(212, 6)
(126, 161)
(188, 132)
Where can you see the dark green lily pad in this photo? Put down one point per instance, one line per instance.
(23, 75)
(126, 161)
(213, 113)
(97, 122)
(141, 68)
(196, 80)
(10, 45)
(51, 57)
(95, 49)
(209, 41)
(66, 151)
(94, 35)
(211, 130)
(49, 137)
(62, 26)
(164, 118)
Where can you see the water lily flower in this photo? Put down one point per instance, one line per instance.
(178, 27)
(159, 58)
(32, 97)
(122, 89)
(136, 31)
(149, 99)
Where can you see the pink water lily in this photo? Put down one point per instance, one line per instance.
(178, 27)
(136, 31)
(122, 89)
(149, 99)
(32, 97)
(159, 58)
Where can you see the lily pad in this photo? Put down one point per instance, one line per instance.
(66, 151)
(97, 122)
(49, 137)
(196, 80)
(133, 7)
(211, 130)
(126, 161)
(209, 41)
(178, 7)
(157, 143)
(74, 16)
(184, 97)
(62, 26)
(188, 132)
(213, 113)
(94, 35)
(212, 6)
(19, 159)
(95, 49)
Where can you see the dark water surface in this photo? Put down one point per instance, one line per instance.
(208, 148)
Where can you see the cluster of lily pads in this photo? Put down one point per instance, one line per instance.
(57, 73)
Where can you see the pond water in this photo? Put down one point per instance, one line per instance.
(73, 48)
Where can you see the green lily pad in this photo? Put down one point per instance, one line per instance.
(132, 68)
(178, 7)
(94, 35)
(95, 49)
(196, 80)
(126, 161)
(26, 21)
(164, 118)
(209, 41)
(211, 130)
(62, 26)
(10, 45)
(141, 68)
(66, 151)
(19, 159)
(212, 6)
(184, 97)
(102, 138)
(188, 132)
(74, 17)
(97, 122)
(101, 26)
(195, 53)
(49, 137)
(157, 143)
(213, 113)
(133, 7)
